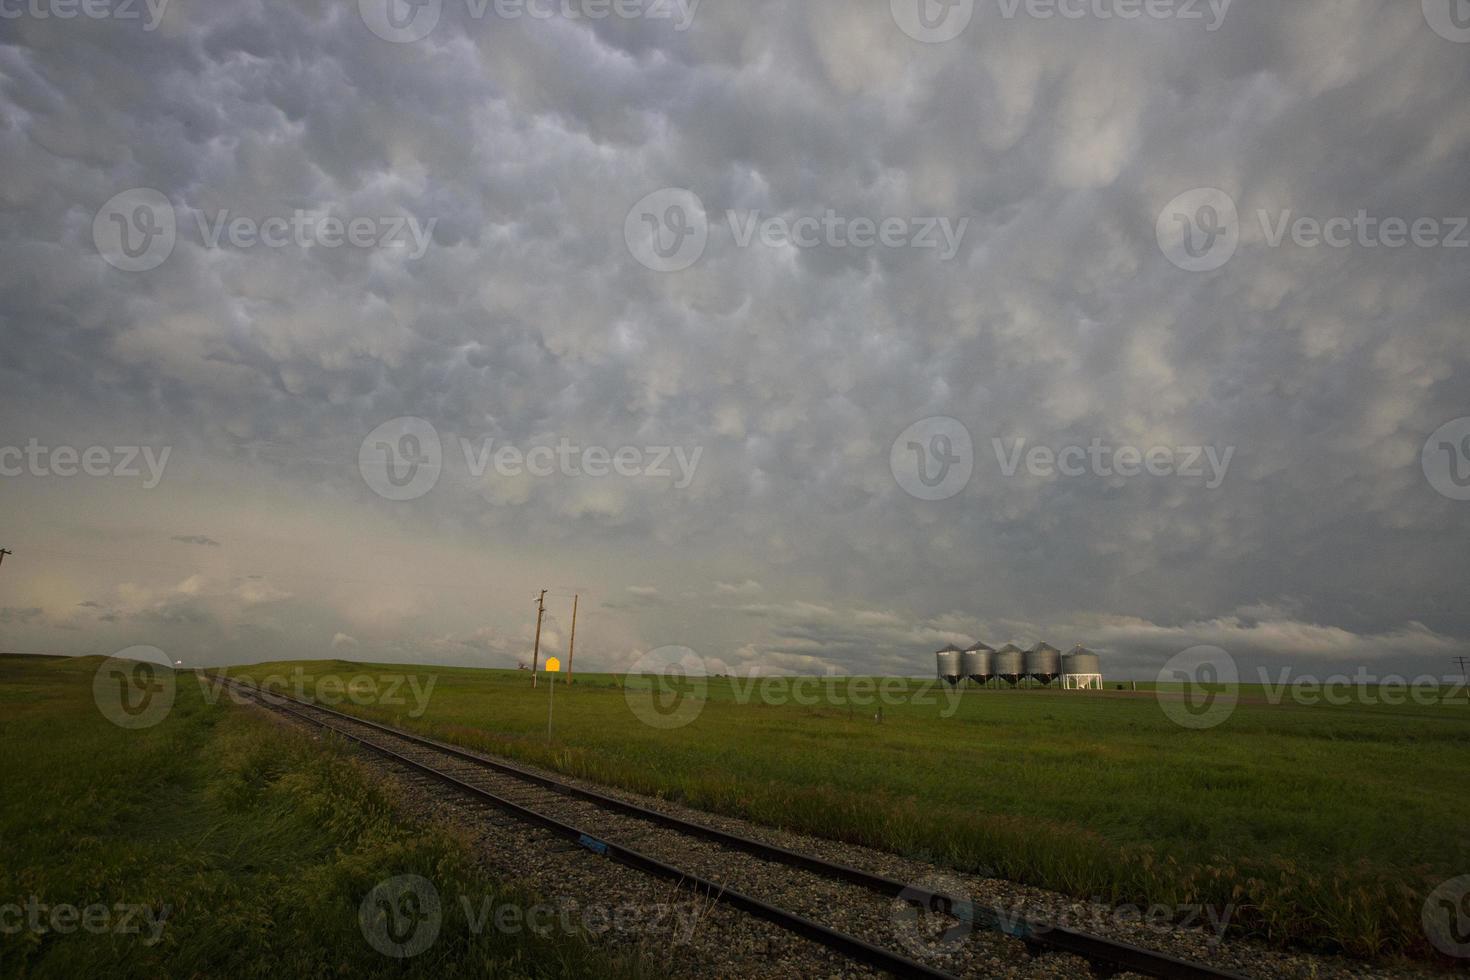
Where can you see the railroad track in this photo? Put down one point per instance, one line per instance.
(724, 867)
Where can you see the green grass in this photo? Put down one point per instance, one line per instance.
(1324, 827)
(252, 845)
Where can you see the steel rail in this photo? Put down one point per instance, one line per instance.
(850, 946)
(1119, 956)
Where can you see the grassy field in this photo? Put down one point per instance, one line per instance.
(214, 844)
(1323, 826)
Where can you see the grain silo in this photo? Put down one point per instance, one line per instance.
(951, 666)
(978, 662)
(1081, 669)
(1010, 664)
(1044, 663)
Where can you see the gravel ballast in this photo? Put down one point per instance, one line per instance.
(687, 935)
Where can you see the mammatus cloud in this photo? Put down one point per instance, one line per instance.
(491, 289)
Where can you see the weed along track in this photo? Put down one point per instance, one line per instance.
(885, 924)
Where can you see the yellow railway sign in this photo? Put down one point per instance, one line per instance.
(553, 665)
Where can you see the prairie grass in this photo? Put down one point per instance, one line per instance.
(252, 844)
(1322, 827)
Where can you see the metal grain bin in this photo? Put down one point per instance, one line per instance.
(1044, 662)
(978, 662)
(951, 664)
(1010, 664)
(1080, 660)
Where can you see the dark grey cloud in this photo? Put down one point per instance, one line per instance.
(198, 539)
(528, 320)
(9, 614)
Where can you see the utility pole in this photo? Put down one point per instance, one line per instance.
(1464, 663)
(572, 643)
(3, 553)
(536, 650)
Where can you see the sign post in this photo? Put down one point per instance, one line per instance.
(553, 667)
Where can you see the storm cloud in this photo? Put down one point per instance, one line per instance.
(446, 230)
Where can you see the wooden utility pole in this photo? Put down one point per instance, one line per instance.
(536, 650)
(572, 643)
(3, 553)
(1464, 663)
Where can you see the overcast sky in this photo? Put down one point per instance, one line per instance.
(563, 241)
